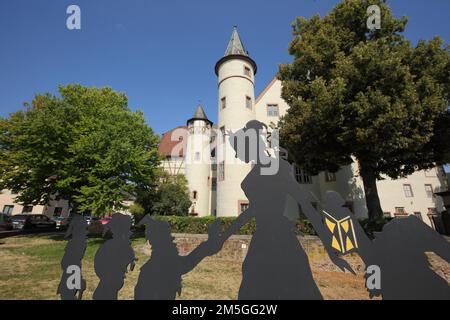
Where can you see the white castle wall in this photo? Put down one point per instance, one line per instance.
(270, 96)
(198, 166)
(235, 86)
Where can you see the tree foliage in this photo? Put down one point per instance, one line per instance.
(85, 146)
(168, 197)
(369, 95)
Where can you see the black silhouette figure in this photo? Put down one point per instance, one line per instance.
(73, 255)
(160, 276)
(276, 266)
(113, 258)
(399, 252)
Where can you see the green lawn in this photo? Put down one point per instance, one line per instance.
(30, 269)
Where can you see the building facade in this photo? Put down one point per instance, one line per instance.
(214, 180)
(9, 206)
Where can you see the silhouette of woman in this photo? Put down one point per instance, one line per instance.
(276, 266)
(399, 252)
(160, 276)
(73, 255)
(113, 258)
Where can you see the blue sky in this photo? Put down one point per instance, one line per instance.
(160, 53)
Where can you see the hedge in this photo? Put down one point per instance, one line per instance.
(196, 225)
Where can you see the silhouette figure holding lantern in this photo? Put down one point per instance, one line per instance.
(398, 251)
(276, 266)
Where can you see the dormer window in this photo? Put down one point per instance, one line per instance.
(247, 71)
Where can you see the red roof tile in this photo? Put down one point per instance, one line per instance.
(172, 139)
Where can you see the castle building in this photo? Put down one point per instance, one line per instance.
(214, 175)
(214, 181)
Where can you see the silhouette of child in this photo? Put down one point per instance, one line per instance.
(160, 276)
(113, 258)
(73, 255)
(399, 252)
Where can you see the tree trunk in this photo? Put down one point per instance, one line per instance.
(370, 190)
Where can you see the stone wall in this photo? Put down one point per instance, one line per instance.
(235, 249)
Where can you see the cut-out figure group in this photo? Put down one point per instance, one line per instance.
(276, 265)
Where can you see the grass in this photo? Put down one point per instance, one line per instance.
(30, 269)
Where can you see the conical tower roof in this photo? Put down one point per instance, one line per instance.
(235, 46)
(236, 50)
(200, 115)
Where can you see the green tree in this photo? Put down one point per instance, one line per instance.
(170, 196)
(85, 146)
(137, 211)
(365, 95)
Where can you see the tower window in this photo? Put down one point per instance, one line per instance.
(247, 71)
(407, 189)
(223, 102)
(272, 110)
(222, 132)
(242, 206)
(194, 195)
(222, 171)
(429, 190)
(197, 156)
(248, 102)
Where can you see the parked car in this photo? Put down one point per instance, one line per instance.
(62, 223)
(5, 222)
(33, 222)
(105, 220)
(90, 219)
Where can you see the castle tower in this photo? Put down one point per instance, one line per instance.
(198, 162)
(235, 72)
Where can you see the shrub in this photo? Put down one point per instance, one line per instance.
(196, 225)
(371, 227)
(137, 211)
